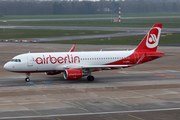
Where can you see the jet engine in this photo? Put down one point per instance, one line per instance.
(72, 74)
(52, 72)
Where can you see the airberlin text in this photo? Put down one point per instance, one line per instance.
(60, 59)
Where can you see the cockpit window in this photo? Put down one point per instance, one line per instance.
(15, 60)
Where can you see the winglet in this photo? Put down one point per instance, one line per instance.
(72, 48)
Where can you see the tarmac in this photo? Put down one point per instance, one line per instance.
(150, 91)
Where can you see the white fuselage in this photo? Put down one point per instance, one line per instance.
(42, 62)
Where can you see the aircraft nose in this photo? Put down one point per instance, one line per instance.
(7, 67)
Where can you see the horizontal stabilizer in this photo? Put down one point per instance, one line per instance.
(159, 55)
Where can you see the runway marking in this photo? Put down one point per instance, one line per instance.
(98, 113)
(31, 83)
(135, 117)
(171, 77)
(46, 82)
(150, 71)
(58, 119)
(159, 74)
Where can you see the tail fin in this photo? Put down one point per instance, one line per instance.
(151, 40)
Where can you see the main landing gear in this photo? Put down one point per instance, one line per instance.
(27, 79)
(90, 78)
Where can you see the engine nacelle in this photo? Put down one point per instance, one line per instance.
(52, 72)
(72, 74)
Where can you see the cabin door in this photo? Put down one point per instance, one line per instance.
(29, 61)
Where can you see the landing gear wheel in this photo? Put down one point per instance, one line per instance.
(90, 78)
(27, 79)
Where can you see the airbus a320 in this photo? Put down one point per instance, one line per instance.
(75, 65)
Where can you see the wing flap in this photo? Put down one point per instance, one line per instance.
(100, 67)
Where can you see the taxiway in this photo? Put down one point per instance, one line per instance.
(149, 91)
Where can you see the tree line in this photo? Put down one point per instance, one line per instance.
(85, 7)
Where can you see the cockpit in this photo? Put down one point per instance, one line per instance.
(15, 60)
(17, 63)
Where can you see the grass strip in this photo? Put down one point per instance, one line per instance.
(167, 22)
(39, 33)
(10, 17)
(127, 40)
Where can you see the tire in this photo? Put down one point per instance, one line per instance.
(90, 78)
(27, 80)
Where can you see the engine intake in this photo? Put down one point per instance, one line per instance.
(72, 74)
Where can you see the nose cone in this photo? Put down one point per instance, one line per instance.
(7, 66)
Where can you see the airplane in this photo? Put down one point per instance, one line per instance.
(75, 65)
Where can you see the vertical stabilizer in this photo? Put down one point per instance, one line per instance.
(151, 40)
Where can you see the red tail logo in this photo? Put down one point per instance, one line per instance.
(153, 37)
(151, 40)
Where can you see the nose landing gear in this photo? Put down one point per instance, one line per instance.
(27, 79)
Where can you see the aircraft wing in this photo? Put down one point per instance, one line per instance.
(73, 66)
(104, 66)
